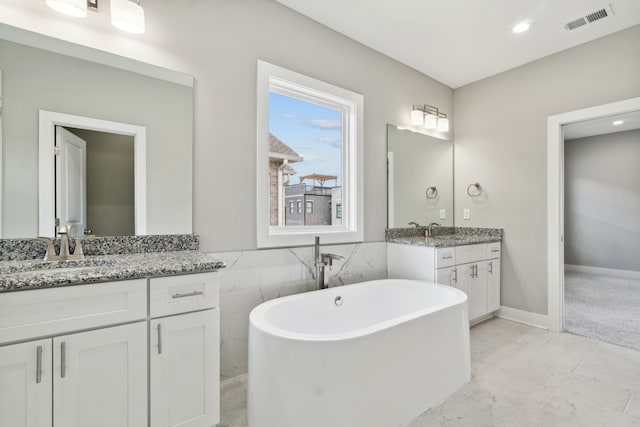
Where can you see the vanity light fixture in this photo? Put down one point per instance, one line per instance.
(126, 15)
(618, 122)
(431, 116)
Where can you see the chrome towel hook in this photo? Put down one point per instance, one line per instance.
(476, 192)
(431, 193)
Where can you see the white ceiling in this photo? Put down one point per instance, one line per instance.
(458, 42)
(602, 126)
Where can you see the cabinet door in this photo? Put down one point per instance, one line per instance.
(100, 377)
(25, 384)
(448, 276)
(185, 370)
(493, 285)
(477, 289)
(444, 276)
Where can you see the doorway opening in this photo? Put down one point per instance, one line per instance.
(556, 199)
(94, 181)
(49, 207)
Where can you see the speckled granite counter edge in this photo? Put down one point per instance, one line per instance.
(25, 249)
(37, 274)
(443, 236)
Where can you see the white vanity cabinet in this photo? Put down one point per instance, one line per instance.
(474, 269)
(26, 384)
(100, 377)
(79, 356)
(184, 351)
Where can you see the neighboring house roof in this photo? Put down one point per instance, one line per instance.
(280, 150)
(288, 170)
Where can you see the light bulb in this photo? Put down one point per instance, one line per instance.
(417, 117)
(127, 16)
(443, 124)
(75, 8)
(430, 121)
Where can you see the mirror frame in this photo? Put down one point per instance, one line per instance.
(48, 120)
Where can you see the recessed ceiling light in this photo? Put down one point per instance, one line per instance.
(523, 26)
(618, 122)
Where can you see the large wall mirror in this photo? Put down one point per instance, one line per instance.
(125, 129)
(419, 178)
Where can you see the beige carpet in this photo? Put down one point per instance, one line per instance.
(606, 308)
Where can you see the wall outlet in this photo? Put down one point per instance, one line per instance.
(443, 214)
(467, 214)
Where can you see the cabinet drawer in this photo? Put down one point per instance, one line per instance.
(42, 312)
(445, 257)
(470, 253)
(181, 294)
(493, 250)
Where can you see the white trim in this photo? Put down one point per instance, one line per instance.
(41, 41)
(526, 317)
(627, 274)
(46, 140)
(271, 77)
(555, 196)
(1, 162)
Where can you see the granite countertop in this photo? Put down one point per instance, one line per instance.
(445, 241)
(37, 274)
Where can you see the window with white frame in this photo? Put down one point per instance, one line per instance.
(309, 145)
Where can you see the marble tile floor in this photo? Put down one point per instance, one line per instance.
(521, 376)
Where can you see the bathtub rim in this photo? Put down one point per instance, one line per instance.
(257, 315)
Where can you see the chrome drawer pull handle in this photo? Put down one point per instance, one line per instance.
(455, 277)
(447, 257)
(159, 338)
(63, 359)
(495, 250)
(188, 294)
(490, 267)
(39, 364)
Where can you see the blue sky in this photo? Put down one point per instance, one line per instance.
(310, 130)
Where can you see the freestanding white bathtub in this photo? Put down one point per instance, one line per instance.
(374, 354)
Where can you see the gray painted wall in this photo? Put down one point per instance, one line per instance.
(35, 79)
(219, 43)
(602, 201)
(110, 183)
(501, 142)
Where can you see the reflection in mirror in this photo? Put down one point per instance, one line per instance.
(419, 179)
(126, 91)
(92, 176)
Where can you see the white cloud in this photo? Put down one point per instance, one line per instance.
(325, 124)
(289, 116)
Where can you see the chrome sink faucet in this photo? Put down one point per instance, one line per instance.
(430, 229)
(321, 261)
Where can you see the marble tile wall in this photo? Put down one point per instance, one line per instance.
(253, 277)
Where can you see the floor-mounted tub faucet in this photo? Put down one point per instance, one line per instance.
(321, 261)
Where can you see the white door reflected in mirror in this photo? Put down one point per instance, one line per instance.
(71, 180)
(77, 210)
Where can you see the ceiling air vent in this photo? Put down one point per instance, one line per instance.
(575, 24)
(589, 18)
